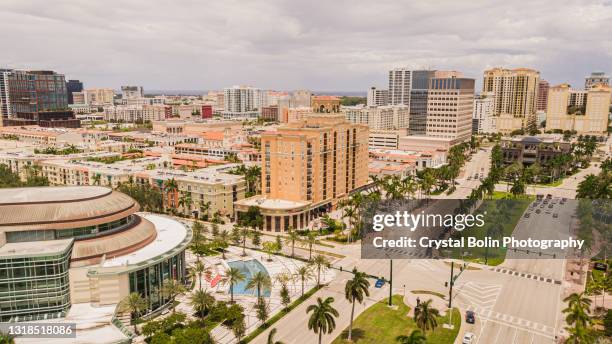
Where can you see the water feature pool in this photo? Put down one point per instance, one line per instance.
(249, 268)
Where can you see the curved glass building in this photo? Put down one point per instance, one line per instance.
(62, 246)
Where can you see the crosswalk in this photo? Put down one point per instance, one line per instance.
(526, 275)
(477, 295)
(480, 298)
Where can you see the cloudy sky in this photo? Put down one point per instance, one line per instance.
(289, 44)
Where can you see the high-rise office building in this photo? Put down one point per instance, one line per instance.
(418, 101)
(71, 87)
(542, 96)
(242, 101)
(36, 97)
(586, 118)
(377, 97)
(307, 167)
(450, 105)
(95, 96)
(5, 105)
(400, 84)
(515, 93)
(596, 78)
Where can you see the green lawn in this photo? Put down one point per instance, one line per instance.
(380, 324)
(494, 256)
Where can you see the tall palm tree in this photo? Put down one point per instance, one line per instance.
(233, 276)
(134, 304)
(202, 302)
(271, 337)
(292, 237)
(322, 320)
(415, 337)
(426, 316)
(185, 201)
(305, 273)
(199, 269)
(222, 240)
(355, 290)
(578, 308)
(96, 179)
(172, 289)
(310, 240)
(170, 186)
(321, 264)
(244, 233)
(258, 282)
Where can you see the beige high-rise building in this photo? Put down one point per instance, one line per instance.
(564, 113)
(450, 105)
(515, 97)
(307, 167)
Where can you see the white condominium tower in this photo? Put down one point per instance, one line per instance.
(400, 84)
(242, 101)
(377, 97)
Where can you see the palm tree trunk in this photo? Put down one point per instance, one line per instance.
(292, 248)
(200, 281)
(318, 276)
(302, 286)
(320, 336)
(350, 334)
(231, 292)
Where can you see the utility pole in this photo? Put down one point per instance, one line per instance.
(390, 282)
(450, 291)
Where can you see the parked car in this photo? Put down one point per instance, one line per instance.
(538, 211)
(527, 214)
(468, 338)
(470, 317)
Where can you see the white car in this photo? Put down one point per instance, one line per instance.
(468, 338)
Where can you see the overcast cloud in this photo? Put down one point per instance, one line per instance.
(320, 45)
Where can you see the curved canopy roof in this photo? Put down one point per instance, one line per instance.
(62, 207)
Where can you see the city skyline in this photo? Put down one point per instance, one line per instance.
(279, 45)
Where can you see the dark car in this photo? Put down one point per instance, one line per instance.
(600, 266)
(470, 317)
(550, 206)
(527, 214)
(538, 211)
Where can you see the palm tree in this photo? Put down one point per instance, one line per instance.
(321, 263)
(199, 269)
(222, 241)
(233, 276)
(170, 186)
(96, 179)
(134, 304)
(578, 306)
(355, 290)
(415, 337)
(202, 302)
(322, 318)
(171, 288)
(185, 201)
(258, 282)
(293, 236)
(271, 337)
(305, 274)
(311, 239)
(426, 316)
(244, 233)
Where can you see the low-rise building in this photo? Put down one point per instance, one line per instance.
(530, 149)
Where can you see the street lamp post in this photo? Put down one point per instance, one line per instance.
(390, 282)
